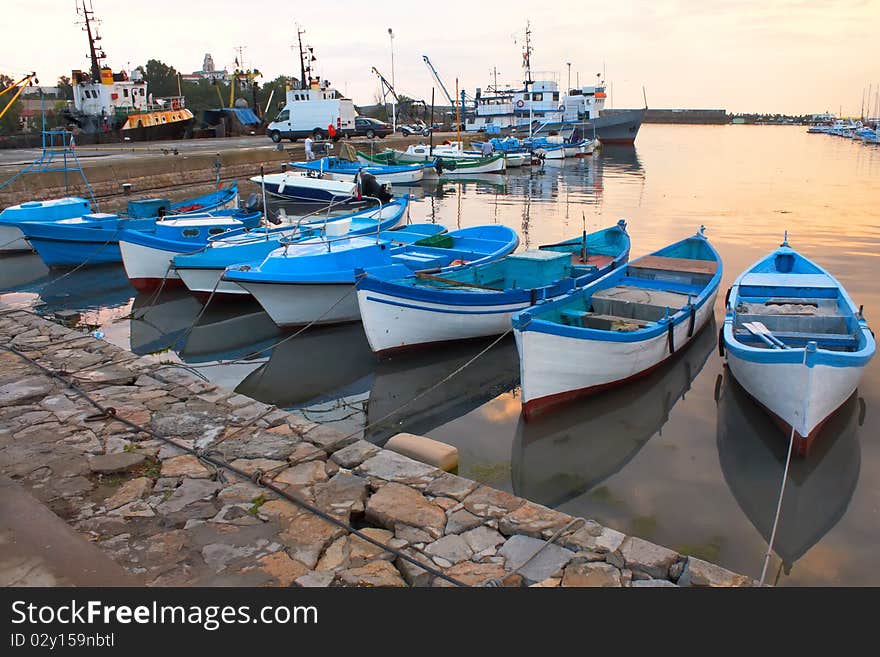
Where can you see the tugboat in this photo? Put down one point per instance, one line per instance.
(110, 105)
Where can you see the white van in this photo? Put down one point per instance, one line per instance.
(308, 112)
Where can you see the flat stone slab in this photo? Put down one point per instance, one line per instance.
(395, 467)
(449, 550)
(596, 574)
(518, 549)
(18, 392)
(702, 573)
(191, 490)
(647, 557)
(118, 462)
(355, 454)
(396, 503)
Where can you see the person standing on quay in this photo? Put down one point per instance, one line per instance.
(309, 154)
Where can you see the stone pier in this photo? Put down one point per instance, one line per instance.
(168, 518)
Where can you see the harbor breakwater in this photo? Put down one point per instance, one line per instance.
(147, 483)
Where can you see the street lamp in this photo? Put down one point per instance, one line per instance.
(394, 104)
(568, 90)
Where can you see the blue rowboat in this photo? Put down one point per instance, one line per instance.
(313, 281)
(795, 341)
(618, 328)
(335, 168)
(401, 310)
(94, 238)
(201, 271)
(146, 255)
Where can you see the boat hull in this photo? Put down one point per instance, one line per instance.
(394, 324)
(795, 395)
(299, 304)
(495, 166)
(12, 240)
(67, 253)
(147, 267)
(205, 281)
(556, 368)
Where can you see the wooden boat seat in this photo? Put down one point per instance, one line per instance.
(682, 265)
(584, 319)
(637, 303)
(598, 260)
(814, 325)
(832, 341)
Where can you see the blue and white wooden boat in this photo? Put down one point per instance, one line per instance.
(619, 327)
(146, 255)
(868, 135)
(201, 271)
(12, 238)
(795, 341)
(94, 238)
(313, 280)
(307, 188)
(335, 168)
(401, 310)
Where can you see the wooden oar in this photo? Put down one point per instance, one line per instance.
(765, 335)
(761, 327)
(452, 281)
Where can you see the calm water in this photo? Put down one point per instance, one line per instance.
(683, 457)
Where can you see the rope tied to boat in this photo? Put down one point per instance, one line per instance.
(206, 456)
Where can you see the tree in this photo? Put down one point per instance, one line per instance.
(65, 88)
(9, 124)
(161, 79)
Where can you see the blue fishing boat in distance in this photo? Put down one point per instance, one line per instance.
(795, 341)
(94, 238)
(313, 281)
(336, 168)
(402, 310)
(201, 272)
(617, 328)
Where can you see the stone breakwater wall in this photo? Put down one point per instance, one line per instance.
(169, 518)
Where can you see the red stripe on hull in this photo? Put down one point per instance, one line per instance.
(149, 284)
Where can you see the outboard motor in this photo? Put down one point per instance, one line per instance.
(371, 187)
(253, 203)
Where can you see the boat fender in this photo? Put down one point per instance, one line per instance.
(693, 319)
(670, 336)
(533, 296)
(727, 298)
(721, 341)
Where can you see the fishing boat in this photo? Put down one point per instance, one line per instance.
(335, 168)
(12, 240)
(305, 188)
(146, 255)
(313, 281)
(618, 328)
(389, 158)
(795, 341)
(453, 162)
(401, 310)
(562, 456)
(94, 238)
(201, 272)
(819, 487)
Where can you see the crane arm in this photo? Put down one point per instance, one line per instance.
(386, 86)
(436, 75)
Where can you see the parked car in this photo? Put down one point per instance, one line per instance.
(367, 127)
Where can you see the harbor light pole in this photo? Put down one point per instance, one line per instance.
(568, 88)
(393, 104)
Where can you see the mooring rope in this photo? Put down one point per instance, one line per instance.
(109, 413)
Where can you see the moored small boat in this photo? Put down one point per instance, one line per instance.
(305, 188)
(617, 328)
(313, 281)
(201, 272)
(335, 168)
(795, 341)
(11, 237)
(146, 255)
(402, 310)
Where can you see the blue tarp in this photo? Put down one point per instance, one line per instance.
(245, 115)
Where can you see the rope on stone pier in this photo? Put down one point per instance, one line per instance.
(109, 414)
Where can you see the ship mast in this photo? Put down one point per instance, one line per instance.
(302, 63)
(95, 53)
(527, 56)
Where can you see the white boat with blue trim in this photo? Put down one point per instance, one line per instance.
(795, 341)
(401, 310)
(618, 328)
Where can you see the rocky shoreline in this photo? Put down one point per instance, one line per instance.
(169, 518)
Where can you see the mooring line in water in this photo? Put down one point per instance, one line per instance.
(42, 287)
(439, 383)
(108, 413)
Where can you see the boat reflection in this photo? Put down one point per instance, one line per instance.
(819, 486)
(320, 364)
(158, 323)
(398, 380)
(21, 269)
(560, 456)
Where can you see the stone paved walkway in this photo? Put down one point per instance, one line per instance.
(167, 518)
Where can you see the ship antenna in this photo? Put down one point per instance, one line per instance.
(88, 15)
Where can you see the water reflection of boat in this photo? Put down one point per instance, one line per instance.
(819, 486)
(18, 270)
(565, 454)
(480, 179)
(224, 332)
(398, 380)
(158, 323)
(84, 289)
(321, 363)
